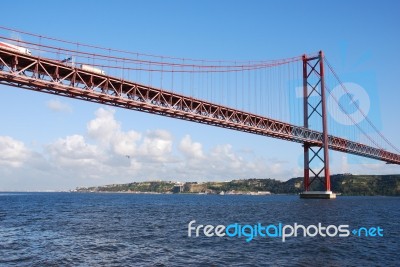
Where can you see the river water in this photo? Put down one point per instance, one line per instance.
(87, 229)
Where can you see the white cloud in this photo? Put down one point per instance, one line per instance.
(156, 146)
(58, 106)
(104, 126)
(74, 151)
(13, 153)
(107, 131)
(124, 143)
(192, 150)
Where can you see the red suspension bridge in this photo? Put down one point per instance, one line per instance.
(291, 99)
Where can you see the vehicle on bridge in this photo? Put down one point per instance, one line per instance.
(92, 69)
(12, 47)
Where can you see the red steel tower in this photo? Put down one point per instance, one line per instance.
(316, 158)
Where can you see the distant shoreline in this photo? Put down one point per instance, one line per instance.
(174, 194)
(344, 184)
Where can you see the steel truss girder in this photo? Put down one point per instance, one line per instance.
(55, 77)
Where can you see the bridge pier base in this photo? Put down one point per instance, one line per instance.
(318, 194)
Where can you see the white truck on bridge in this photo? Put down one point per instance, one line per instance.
(92, 69)
(12, 47)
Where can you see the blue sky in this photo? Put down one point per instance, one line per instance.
(41, 134)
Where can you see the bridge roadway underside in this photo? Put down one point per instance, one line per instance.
(54, 77)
